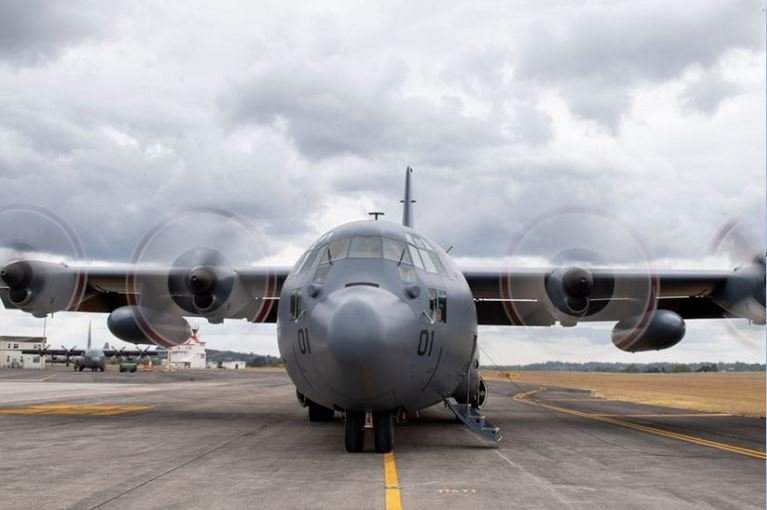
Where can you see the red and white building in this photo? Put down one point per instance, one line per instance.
(190, 354)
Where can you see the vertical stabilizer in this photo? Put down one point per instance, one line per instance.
(89, 336)
(407, 203)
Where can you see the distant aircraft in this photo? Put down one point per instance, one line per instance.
(92, 357)
(374, 319)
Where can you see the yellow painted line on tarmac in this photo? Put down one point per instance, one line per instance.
(662, 415)
(46, 379)
(74, 410)
(756, 454)
(391, 483)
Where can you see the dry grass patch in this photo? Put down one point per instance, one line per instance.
(740, 393)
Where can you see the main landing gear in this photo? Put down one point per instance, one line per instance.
(383, 431)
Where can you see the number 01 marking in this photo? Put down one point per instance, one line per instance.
(425, 343)
(303, 341)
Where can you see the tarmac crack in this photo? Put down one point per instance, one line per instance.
(177, 467)
(545, 484)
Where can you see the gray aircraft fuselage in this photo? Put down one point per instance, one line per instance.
(379, 319)
(91, 358)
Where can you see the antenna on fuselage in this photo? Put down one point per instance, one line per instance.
(407, 203)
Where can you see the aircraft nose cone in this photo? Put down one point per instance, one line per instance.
(356, 330)
(364, 333)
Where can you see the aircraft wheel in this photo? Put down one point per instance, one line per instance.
(383, 429)
(81, 369)
(320, 413)
(355, 431)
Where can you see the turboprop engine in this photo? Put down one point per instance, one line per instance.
(743, 294)
(40, 287)
(202, 282)
(569, 291)
(142, 325)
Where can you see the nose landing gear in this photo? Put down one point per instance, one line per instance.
(383, 431)
(383, 428)
(354, 431)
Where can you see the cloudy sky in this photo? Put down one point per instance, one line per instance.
(298, 118)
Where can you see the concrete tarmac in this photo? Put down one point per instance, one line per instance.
(239, 439)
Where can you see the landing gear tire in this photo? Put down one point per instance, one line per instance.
(320, 413)
(355, 431)
(383, 428)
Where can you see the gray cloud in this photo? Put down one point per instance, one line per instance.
(594, 56)
(32, 31)
(334, 109)
(708, 92)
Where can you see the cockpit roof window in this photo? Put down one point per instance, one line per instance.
(419, 242)
(365, 247)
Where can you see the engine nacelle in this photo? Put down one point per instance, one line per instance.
(142, 325)
(663, 330)
(39, 287)
(743, 293)
(568, 291)
(202, 283)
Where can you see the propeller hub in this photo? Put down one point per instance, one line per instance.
(578, 282)
(17, 275)
(202, 281)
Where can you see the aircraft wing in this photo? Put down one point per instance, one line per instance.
(132, 353)
(54, 352)
(44, 287)
(541, 297)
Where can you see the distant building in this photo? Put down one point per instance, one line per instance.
(190, 354)
(11, 356)
(233, 365)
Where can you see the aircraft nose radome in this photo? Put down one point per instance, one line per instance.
(356, 331)
(364, 326)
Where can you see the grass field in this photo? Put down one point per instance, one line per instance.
(740, 393)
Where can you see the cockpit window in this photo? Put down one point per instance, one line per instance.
(335, 250)
(393, 250)
(427, 262)
(417, 252)
(305, 262)
(437, 263)
(415, 256)
(365, 247)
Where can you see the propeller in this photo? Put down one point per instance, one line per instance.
(203, 248)
(741, 242)
(40, 257)
(67, 353)
(585, 250)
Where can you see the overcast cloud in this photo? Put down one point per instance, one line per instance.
(301, 117)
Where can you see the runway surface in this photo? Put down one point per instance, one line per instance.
(209, 439)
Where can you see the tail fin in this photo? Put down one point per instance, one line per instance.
(407, 203)
(89, 335)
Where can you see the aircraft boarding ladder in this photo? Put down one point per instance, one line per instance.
(476, 422)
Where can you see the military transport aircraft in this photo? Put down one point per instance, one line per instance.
(92, 357)
(375, 320)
